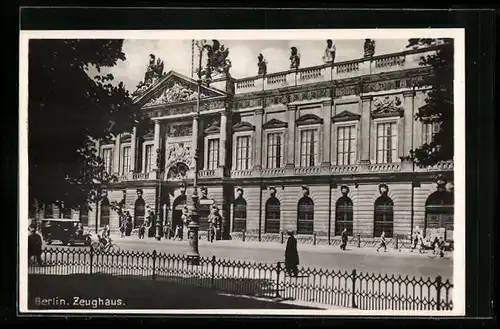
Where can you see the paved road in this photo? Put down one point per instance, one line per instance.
(327, 257)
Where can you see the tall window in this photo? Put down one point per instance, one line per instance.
(84, 214)
(386, 142)
(429, 130)
(274, 147)
(47, 213)
(213, 153)
(239, 215)
(344, 215)
(242, 152)
(305, 216)
(273, 215)
(148, 161)
(384, 216)
(439, 213)
(126, 160)
(346, 145)
(107, 158)
(105, 208)
(308, 148)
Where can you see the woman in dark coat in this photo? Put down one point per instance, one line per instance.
(291, 256)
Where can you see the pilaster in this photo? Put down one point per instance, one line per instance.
(156, 143)
(408, 97)
(257, 147)
(327, 133)
(223, 140)
(292, 113)
(116, 155)
(133, 149)
(365, 124)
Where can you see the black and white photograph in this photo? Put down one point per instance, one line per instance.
(242, 172)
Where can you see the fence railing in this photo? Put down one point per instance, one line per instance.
(324, 286)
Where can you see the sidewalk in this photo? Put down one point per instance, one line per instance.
(80, 291)
(278, 246)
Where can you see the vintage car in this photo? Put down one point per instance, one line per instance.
(64, 231)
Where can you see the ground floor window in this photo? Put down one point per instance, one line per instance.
(384, 216)
(273, 216)
(240, 215)
(305, 216)
(344, 216)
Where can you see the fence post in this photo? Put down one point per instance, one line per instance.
(314, 238)
(154, 264)
(91, 258)
(212, 276)
(278, 272)
(359, 240)
(243, 236)
(397, 242)
(439, 285)
(354, 289)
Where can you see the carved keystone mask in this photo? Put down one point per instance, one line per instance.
(272, 191)
(305, 190)
(383, 189)
(239, 192)
(344, 190)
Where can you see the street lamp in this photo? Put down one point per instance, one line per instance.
(158, 208)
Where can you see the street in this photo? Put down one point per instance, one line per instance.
(365, 260)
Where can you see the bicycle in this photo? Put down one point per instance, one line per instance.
(98, 246)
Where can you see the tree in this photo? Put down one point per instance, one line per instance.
(439, 107)
(67, 109)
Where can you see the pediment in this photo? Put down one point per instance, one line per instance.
(243, 126)
(175, 88)
(149, 135)
(213, 129)
(275, 123)
(125, 138)
(308, 119)
(345, 116)
(387, 107)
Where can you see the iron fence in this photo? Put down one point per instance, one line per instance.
(366, 291)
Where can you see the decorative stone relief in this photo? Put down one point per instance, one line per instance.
(178, 92)
(179, 152)
(180, 130)
(387, 107)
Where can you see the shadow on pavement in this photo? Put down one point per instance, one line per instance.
(101, 291)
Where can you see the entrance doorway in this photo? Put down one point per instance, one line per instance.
(439, 213)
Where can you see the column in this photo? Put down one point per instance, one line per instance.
(116, 155)
(156, 143)
(408, 97)
(292, 112)
(133, 148)
(223, 140)
(195, 138)
(257, 146)
(327, 133)
(365, 129)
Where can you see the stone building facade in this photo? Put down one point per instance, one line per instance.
(314, 150)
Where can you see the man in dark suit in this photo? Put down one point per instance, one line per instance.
(291, 255)
(344, 239)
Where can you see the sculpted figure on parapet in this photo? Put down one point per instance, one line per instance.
(262, 65)
(294, 58)
(329, 56)
(153, 74)
(369, 48)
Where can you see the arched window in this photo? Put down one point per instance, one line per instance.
(105, 208)
(84, 214)
(344, 215)
(273, 215)
(384, 216)
(239, 215)
(139, 211)
(305, 216)
(47, 212)
(439, 212)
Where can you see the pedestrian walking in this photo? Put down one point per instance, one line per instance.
(128, 225)
(414, 241)
(382, 242)
(123, 223)
(35, 246)
(344, 239)
(291, 255)
(421, 243)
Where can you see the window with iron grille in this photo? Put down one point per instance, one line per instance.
(126, 160)
(239, 215)
(346, 145)
(213, 154)
(107, 158)
(305, 216)
(384, 216)
(344, 216)
(105, 212)
(308, 148)
(386, 142)
(84, 214)
(273, 215)
(429, 130)
(274, 150)
(242, 152)
(148, 163)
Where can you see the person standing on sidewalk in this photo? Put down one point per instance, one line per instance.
(291, 255)
(382, 242)
(35, 246)
(344, 239)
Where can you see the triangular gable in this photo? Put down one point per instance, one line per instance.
(175, 88)
(308, 119)
(387, 107)
(213, 129)
(345, 116)
(274, 123)
(243, 126)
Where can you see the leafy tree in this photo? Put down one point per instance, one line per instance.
(439, 107)
(67, 106)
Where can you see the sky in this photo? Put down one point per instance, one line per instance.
(176, 55)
